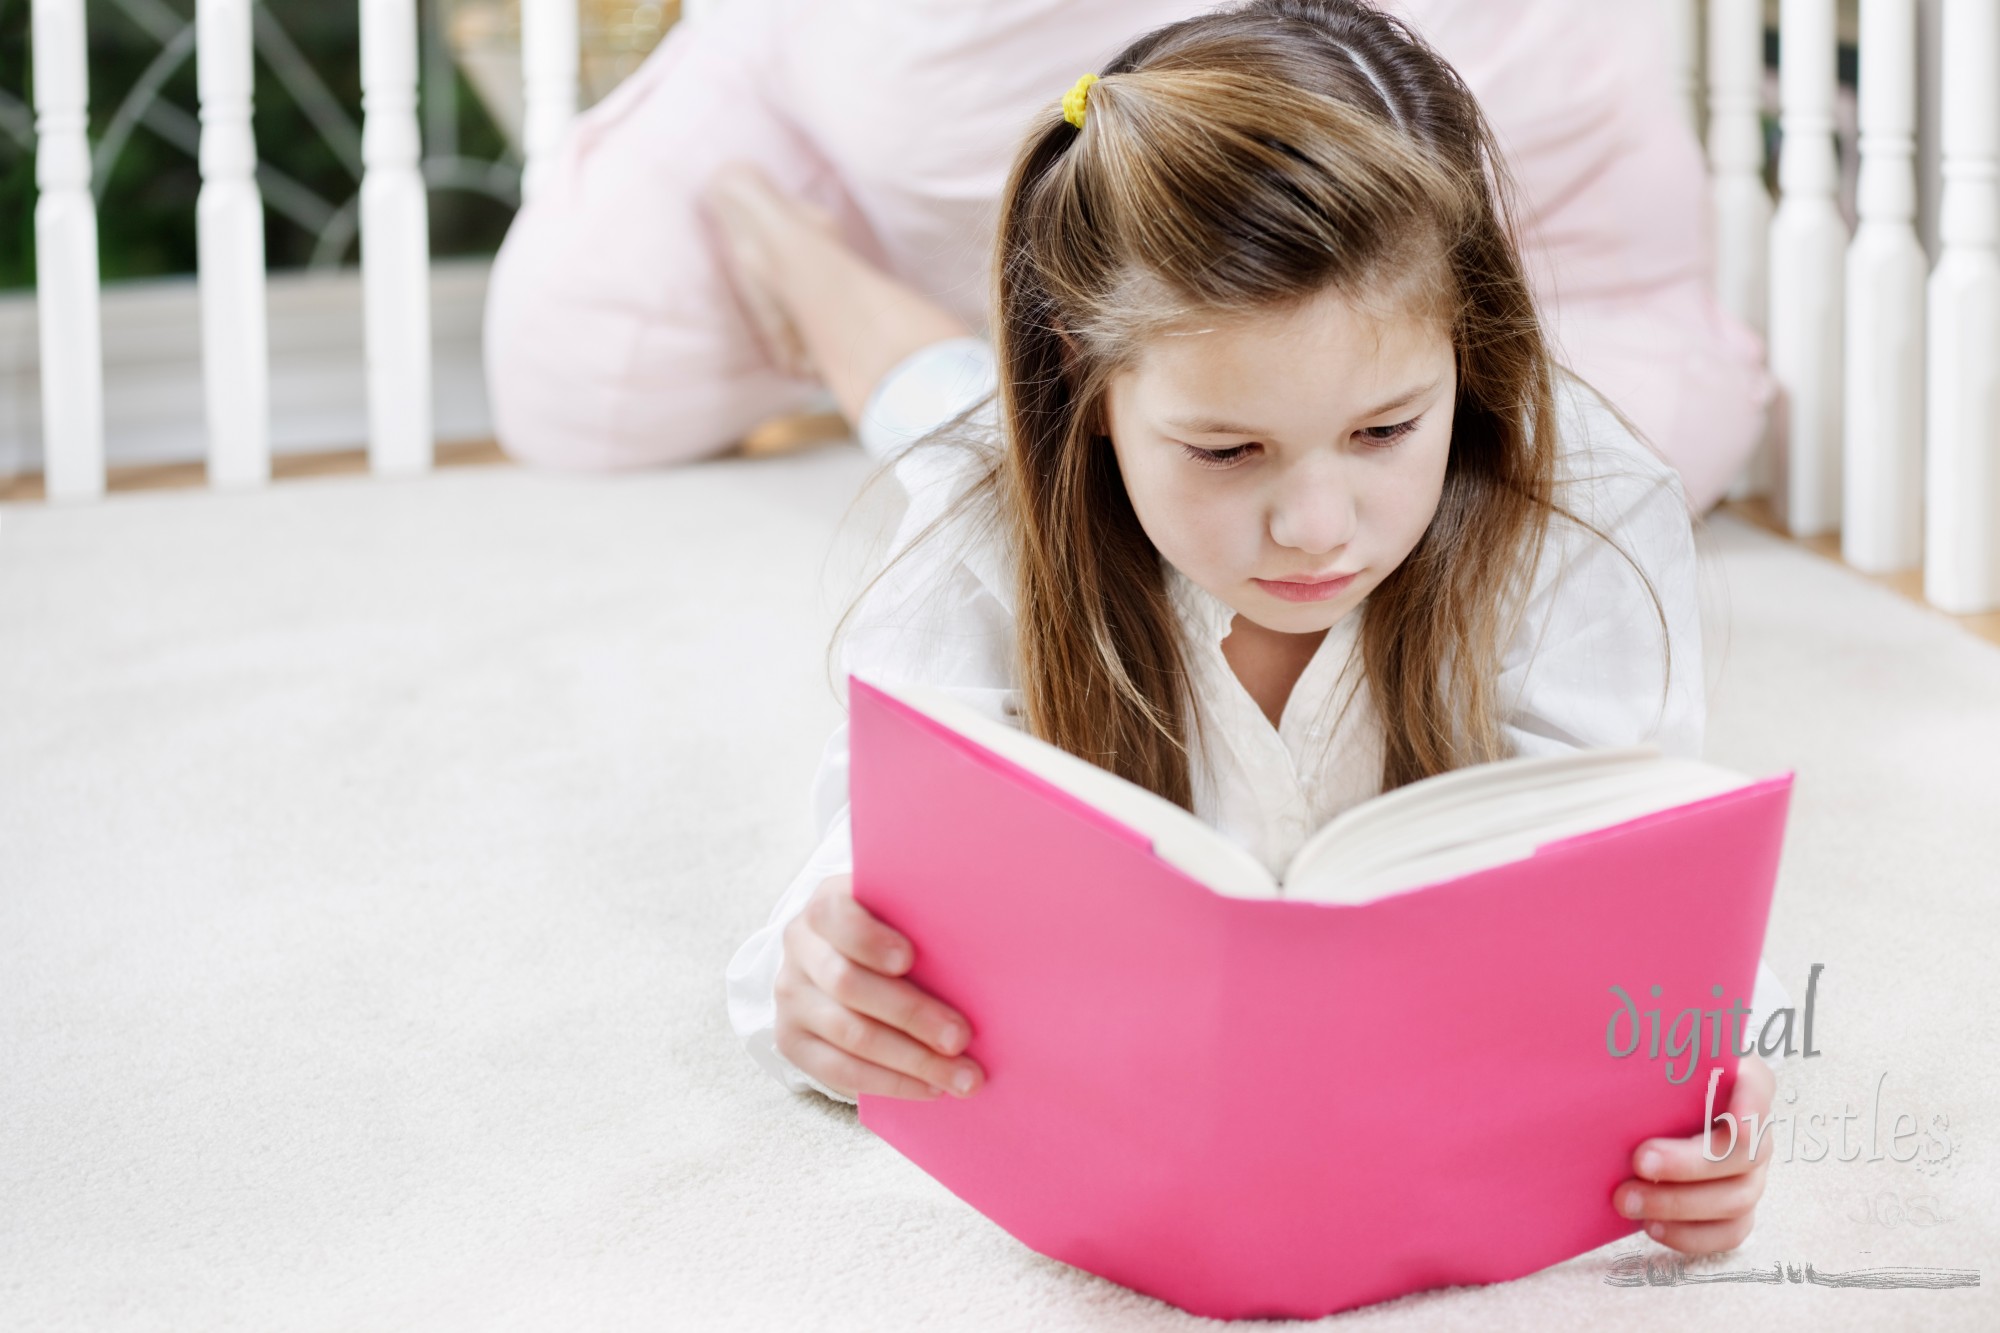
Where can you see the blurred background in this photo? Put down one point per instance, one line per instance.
(143, 134)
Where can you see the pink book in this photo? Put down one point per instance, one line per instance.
(1393, 1068)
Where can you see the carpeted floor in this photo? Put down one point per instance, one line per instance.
(370, 853)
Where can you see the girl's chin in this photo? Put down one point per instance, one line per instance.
(1297, 617)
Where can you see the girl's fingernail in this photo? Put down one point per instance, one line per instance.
(948, 1040)
(962, 1081)
(1650, 1164)
(1633, 1204)
(1656, 1229)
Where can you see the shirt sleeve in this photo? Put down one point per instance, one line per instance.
(923, 391)
(940, 616)
(1588, 661)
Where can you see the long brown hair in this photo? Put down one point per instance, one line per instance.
(1233, 163)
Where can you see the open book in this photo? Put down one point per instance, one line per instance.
(1406, 1067)
(1436, 829)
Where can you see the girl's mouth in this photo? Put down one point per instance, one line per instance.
(1307, 592)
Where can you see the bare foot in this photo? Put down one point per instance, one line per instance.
(759, 226)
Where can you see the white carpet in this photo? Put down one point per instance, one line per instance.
(370, 853)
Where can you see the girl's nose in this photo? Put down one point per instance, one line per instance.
(1314, 512)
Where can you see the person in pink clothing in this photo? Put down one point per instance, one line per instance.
(616, 337)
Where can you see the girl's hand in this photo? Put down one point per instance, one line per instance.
(1695, 1205)
(846, 1020)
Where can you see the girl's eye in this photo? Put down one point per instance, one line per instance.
(1215, 457)
(1378, 436)
(1390, 434)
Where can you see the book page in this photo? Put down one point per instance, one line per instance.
(1385, 815)
(1497, 823)
(1382, 827)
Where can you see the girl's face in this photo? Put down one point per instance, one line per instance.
(1298, 445)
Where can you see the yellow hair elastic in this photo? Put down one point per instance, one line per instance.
(1074, 99)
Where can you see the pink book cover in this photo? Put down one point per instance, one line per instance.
(1262, 1108)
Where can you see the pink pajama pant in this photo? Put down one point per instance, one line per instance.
(613, 339)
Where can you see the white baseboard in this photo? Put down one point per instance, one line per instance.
(152, 367)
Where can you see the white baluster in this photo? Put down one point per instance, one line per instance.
(1962, 443)
(1808, 267)
(1741, 203)
(1683, 32)
(395, 243)
(66, 260)
(1881, 525)
(229, 229)
(549, 75)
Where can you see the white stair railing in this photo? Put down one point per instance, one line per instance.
(229, 230)
(1683, 34)
(1741, 204)
(66, 260)
(1881, 524)
(548, 84)
(395, 243)
(1888, 367)
(1962, 444)
(1808, 265)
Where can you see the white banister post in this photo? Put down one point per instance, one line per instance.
(1808, 267)
(1741, 203)
(66, 307)
(548, 77)
(1962, 444)
(395, 243)
(1881, 526)
(1683, 30)
(229, 230)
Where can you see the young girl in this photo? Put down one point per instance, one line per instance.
(1270, 498)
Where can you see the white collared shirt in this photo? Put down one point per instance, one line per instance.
(1583, 671)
